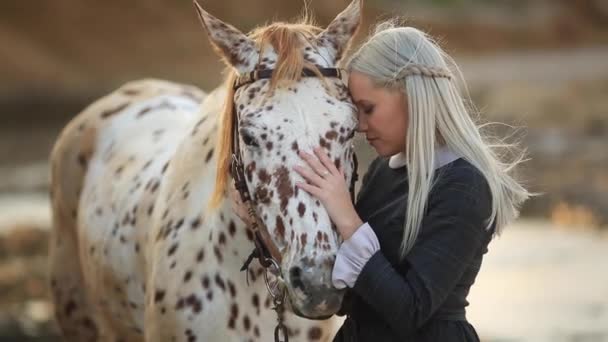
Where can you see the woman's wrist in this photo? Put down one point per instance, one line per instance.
(350, 226)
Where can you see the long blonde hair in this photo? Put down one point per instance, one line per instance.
(406, 58)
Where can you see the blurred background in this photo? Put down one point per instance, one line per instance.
(539, 66)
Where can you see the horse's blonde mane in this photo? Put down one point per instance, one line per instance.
(287, 40)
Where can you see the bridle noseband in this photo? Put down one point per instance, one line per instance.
(265, 250)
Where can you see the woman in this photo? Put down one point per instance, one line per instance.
(429, 203)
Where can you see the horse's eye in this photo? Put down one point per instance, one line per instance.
(248, 139)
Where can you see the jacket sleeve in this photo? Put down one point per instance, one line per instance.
(452, 232)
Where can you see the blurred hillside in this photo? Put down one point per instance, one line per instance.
(58, 55)
(539, 64)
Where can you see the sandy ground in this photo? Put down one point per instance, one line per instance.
(539, 282)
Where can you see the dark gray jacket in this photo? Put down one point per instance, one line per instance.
(423, 297)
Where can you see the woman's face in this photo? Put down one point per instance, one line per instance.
(382, 114)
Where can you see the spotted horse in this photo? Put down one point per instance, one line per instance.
(145, 248)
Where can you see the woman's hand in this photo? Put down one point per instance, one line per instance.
(327, 183)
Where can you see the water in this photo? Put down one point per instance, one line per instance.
(543, 283)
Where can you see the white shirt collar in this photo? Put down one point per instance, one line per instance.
(443, 156)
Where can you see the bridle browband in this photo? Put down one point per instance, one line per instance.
(255, 75)
(265, 250)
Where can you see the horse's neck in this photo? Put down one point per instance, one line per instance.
(231, 241)
(225, 233)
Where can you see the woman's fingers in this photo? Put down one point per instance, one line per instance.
(314, 163)
(309, 175)
(325, 161)
(311, 189)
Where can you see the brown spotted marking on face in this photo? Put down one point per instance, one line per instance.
(303, 238)
(301, 209)
(261, 195)
(264, 176)
(324, 143)
(284, 187)
(269, 145)
(280, 228)
(331, 135)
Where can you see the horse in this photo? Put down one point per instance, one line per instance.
(144, 245)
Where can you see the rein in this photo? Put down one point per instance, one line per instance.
(265, 250)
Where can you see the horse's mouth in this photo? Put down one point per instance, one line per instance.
(299, 313)
(316, 318)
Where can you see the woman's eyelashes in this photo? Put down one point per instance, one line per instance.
(367, 109)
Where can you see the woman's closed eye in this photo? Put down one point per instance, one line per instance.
(367, 109)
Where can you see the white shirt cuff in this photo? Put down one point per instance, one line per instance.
(352, 255)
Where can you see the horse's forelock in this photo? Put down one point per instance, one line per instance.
(287, 41)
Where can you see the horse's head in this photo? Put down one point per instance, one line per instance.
(278, 117)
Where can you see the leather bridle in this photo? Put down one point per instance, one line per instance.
(265, 250)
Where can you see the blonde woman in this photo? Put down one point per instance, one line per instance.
(429, 204)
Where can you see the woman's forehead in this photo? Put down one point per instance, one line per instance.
(362, 87)
(359, 81)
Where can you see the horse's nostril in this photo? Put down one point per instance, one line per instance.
(295, 272)
(295, 275)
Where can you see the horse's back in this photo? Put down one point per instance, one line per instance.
(106, 168)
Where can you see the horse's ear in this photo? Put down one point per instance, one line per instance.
(236, 48)
(339, 33)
